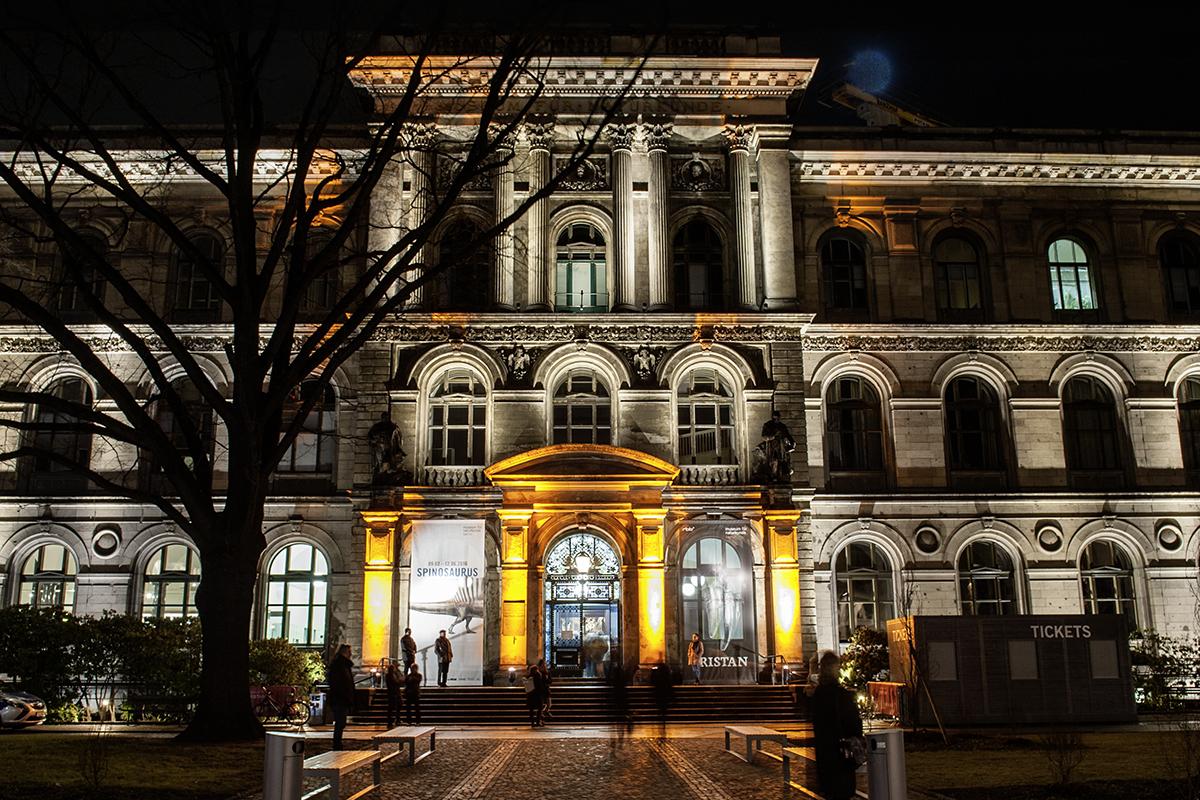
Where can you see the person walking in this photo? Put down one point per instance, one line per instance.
(445, 654)
(394, 680)
(408, 648)
(533, 701)
(695, 656)
(340, 677)
(664, 690)
(618, 701)
(541, 683)
(547, 679)
(837, 728)
(412, 696)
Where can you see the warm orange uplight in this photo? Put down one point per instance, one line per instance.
(377, 614)
(651, 621)
(514, 597)
(785, 588)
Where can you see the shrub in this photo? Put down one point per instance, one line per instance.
(866, 659)
(278, 662)
(1163, 667)
(37, 651)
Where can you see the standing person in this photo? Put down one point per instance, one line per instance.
(408, 648)
(541, 684)
(533, 701)
(660, 680)
(445, 654)
(834, 719)
(618, 699)
(695, 656)
(340, 676)
(412, 696)
(547, 679)
(394, 679)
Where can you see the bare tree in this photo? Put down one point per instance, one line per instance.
(292, 194)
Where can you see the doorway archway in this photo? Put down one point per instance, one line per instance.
(582, 596)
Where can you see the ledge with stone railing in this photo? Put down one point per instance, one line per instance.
(709, 475)
(454, 476)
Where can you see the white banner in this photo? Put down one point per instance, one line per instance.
(446, 593)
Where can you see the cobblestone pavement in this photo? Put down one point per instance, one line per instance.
(572, 767)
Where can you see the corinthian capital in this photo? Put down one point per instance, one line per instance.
(657, 135)
(419, 136)
(504, 140)
(539, 132)
(621, 136)
(738, 137)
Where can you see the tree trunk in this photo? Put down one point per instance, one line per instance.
(225, 602)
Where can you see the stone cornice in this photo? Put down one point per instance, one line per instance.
(1008, 339)
(594, 76)
(997, 168)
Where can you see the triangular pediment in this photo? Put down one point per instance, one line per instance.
(584, 463)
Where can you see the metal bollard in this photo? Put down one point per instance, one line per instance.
(283, 766)
(887, 777)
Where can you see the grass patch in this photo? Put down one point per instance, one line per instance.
(139, 768)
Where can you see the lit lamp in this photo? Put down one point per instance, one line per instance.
(583, 563)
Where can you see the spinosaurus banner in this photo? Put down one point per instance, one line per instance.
(446, 593)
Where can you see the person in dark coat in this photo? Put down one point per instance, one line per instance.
(340, 676)
(445, 654)
(412, 696)
(663, 685)
(835, 717)
(408, 648)
(541, 687)
(533, 700)
(394, 679)
(547, 679)
(618, 701)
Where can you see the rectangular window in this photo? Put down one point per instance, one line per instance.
(1104, 659)
(943, 661)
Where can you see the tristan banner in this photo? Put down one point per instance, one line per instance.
(446, 593)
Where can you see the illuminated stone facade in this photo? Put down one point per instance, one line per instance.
(984, 346)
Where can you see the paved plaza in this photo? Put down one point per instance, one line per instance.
(576, 763)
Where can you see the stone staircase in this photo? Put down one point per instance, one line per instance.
(578, 702)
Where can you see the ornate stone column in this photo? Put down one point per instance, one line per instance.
(514, 589)
(779, 533)
(652, 586)
(386, 220)
(775, 210)
(624, 265)
(379, 568)
(541, 142)
(502, 193)
(737, 139)
(657, 136)
(422, 162)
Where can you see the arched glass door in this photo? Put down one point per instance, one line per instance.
(583, 605)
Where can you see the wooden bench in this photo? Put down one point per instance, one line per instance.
(754, 735)
(407, 734)
(333, 765)
(808, 754)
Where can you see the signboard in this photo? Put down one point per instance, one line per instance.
(716, 593)
(446, 593)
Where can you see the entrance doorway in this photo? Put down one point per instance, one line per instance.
(582, 576)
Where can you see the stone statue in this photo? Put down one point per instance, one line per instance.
(776, 449)
(519, 362)
(387, 454)
(643, 362)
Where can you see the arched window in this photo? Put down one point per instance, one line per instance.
(465, 284)
(298, 596)
(199, 420)
(706, 419)
(844, 271)
(77, 276)
(580, 272)
(48, 578)
(194, 296)
(57, 437)
(1189, 427)
(1071, 284)
(973, 427)
(699, 267)
(323, 292)
(457, 419)
(959, 280)
(1179, 255)
(716, 588)
(866, 594)
(169, 587)
(582, 410)
(987, 580)
(312, 451)
(1106, 574)
(1090, 430)
(854, 426)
